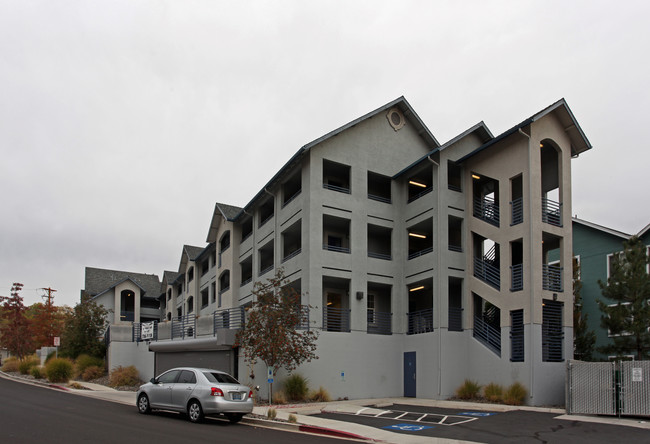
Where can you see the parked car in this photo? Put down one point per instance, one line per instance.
(196, 392)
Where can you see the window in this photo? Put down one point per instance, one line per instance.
(336, 176)
(190, 304)
(454, 176)
(623, 306)
(190, 275)
(205, 297)
(187, 377)
(379, 187)
(169, 377)
(517, 335)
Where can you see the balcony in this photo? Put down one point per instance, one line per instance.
(517, 277)
(420, 322)
(552, 278)
(379, 323)
(517, 211)
(487, 210)
(230, 318)
(487, 272)
(489, 335)
(336, 319)
(551, 212)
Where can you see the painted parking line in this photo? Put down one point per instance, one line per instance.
(418, 417)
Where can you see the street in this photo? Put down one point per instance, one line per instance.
(31, 414)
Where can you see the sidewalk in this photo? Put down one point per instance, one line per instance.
(307, 423)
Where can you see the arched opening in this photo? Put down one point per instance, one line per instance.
(551, 189)
(127, 305)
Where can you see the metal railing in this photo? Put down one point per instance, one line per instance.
(336, 188)
(487, 210)
(487, 334)
(336, 319)
(386, 257)
(266, 270)
(288, 201)
(517, 211)
(304, 318)
(551, 212)
(291, 255)
(552, 332)
(246, 281)
(379, 323)
(487, 272)
(420, 253)
(456, 248)
(552, 277)
(379, 198)
(455, 319)
(184, 326)
(420, 322)
(336, 248)
(517, 277)
(517, 336)
(231, 318)
(420, 194)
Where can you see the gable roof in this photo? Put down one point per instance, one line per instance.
(579, 142)
(229, 212)
(99, 280)
(401, 103)
(594, 226)
(643, 231)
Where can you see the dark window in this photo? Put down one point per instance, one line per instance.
(517, 336)
(169, 377)
(187, 377)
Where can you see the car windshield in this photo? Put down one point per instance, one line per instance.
(222, 378)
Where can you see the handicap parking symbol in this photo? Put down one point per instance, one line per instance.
(477, 414)
(408, 427)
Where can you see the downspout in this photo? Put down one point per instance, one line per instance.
(530, 265)
(438, 254)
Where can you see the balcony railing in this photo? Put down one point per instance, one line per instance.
(487, 210)
(552, 277)
(517, 277)
(386, 257)
(487, 334)
(231, 318)
(420, 322)
(336, 248)
(292, 254)
(247, 280)
(551, 212)
(336, 188)
(379, 198)
(266, 270)
(456, 248)
(379, 323)
(420, 253)
(517, 211)
(304, 318)
(420, 194)
(336, 319)
(455, 319)
(289, 200)
(487, 272)
(184, 326)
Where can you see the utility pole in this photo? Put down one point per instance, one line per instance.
(49, 309)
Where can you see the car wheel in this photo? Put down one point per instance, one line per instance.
(194, 411)
(143, 404)
(234, 418)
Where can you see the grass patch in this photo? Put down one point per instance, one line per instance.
(469, 390)
(493, 392)
(295, 386)
(515, 394)
(320, 395)
(124, 376)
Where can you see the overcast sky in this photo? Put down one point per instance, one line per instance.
(123, 122)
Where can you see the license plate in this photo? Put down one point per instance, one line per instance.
(236, 396)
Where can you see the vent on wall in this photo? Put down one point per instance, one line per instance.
(396, 118)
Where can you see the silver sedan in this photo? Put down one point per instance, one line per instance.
(196, 392)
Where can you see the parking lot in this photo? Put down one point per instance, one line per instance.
(485, 426)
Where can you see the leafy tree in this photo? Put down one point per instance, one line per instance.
(14, 331)
(628, 287)
(272, 333)
(47, 321)
(84, 328)
(583, 338)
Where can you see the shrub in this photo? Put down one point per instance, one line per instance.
(124, 376)
(92, 372)
(37, 372)
(59, 370)
(25, 365)
(293, 418)
(271, 413)
(469, 390)
(296, 387)
(515, 394)
(85, 361)
(50, 355)
(493, 392)
(279, 397)
(10, 365)
(320, 395)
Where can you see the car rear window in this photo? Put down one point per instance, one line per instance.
(222, 378)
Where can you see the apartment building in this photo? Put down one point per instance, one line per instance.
(422, 264)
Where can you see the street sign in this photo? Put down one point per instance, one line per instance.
(146, 331)
(269, 375)
(57, 341)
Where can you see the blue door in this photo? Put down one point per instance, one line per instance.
(409, 374)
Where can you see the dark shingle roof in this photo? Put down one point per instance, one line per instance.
(192, 251)
(98, 280)
(228, 211)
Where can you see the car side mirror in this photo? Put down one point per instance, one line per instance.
(153, 381)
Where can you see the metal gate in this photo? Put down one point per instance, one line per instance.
(635, 387)
(608, 388)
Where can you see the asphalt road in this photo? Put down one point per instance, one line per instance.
(501, 427)
(30, 414)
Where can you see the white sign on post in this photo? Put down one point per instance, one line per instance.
(637, 374)
(57, 341)
(146, 331)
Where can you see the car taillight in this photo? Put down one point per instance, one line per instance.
(250, 394)
(216, 392)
